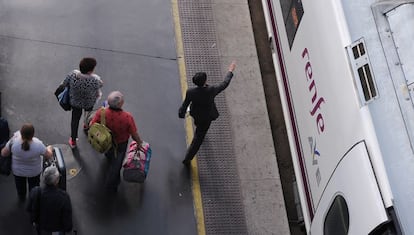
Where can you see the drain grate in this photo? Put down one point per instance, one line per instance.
(219, 181)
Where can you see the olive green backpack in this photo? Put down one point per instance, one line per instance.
(100, 136)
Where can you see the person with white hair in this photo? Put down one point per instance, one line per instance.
(122, 126)
(51, 176)
(50, 207)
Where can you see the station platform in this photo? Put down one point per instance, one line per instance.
(238, 174)
(232, 187)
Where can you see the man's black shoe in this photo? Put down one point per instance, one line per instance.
(186, 162)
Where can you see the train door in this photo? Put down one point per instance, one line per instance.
(402, 31)
(351, 202)
(394, 20)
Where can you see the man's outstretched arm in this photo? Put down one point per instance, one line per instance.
(224, 84)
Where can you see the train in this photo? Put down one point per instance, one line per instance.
(345, 74)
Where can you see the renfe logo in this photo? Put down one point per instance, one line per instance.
(316, 111)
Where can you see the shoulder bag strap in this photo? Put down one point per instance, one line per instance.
(115, 145)
(103, 116)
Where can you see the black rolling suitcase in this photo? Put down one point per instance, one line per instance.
(59, 162)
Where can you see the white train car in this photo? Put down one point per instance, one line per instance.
(345, 70)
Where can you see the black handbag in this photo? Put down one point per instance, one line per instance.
(5, 162)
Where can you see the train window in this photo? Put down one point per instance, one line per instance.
(361, 67)
(292, 15)
(337, 218)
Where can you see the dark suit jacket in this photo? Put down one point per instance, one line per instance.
(202, 106)
(50, 208)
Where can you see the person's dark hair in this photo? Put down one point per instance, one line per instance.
(200, 78)
(27, 133)
(87, 64)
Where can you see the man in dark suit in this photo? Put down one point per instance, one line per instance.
(202, 107)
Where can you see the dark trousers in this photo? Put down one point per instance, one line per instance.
(74, 124)
(113, 177)
(199, 134)
(21, 184)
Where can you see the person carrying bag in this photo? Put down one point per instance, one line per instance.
(26, 153)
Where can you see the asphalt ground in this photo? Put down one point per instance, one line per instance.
(133, 42)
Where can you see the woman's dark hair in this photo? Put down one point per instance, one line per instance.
(27, 133)
(200, 78)
(87, 64)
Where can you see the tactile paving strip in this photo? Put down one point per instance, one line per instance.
(219, 180)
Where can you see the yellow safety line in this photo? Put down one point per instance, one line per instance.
(198, 205)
